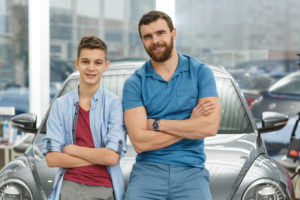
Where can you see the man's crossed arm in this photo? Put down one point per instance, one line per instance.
(203, 122)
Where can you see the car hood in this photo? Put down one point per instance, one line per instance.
(228, 159)
(229, 156)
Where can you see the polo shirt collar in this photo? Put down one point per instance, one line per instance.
(183, 66)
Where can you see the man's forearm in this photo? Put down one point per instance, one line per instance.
(147, 140)
(190, 128)
(198, 126)
(142, 139)
(63, 160)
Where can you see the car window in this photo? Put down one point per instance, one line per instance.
(234, 118)
(114, 83)
(250, 81)
(287, 87)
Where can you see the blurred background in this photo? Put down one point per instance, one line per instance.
(256, 40)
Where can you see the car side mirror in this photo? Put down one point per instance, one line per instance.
(273, 121)
(25, 122)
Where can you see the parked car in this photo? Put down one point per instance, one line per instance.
(252, 84)
(277, 68)
(18, 97)
(283, 96)
(236, 159)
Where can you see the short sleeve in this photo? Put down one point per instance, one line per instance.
(206, 83)
(132, 93)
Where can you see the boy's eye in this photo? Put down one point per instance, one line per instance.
(85, 61)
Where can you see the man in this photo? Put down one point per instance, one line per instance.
(170, 106)
(85, 133)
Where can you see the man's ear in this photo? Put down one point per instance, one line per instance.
(76, 63)
(173, 32)
(107, 63)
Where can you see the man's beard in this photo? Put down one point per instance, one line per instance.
(163, 56)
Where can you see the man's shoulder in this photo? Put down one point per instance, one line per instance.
(137, 76)
(197, 65)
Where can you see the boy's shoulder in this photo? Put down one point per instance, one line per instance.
(110, 95)
(66, 99)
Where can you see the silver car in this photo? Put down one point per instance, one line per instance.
(236, 159)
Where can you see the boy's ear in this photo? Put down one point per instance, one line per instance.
(76, 63)
(107, 63)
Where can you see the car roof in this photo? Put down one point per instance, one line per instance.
(115, 67)
(294, 75)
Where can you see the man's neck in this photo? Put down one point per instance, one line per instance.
(167, 68)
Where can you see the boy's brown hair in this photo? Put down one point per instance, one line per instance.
(153, 16)
(91, 42)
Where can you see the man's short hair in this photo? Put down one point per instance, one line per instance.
(91, 42)
(153, 16)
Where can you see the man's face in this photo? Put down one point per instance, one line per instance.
(91, 64)
(158, 40)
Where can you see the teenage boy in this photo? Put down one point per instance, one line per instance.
(171, 104)
(85, 133)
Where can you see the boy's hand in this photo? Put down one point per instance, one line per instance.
(203, 108)
(69, 149)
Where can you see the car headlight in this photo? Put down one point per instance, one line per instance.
(265, 189)
(14, 189)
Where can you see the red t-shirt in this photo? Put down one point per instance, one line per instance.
(96, 175)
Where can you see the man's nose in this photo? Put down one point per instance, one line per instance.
(155, 39)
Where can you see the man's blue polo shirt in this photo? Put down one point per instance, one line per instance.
(171, 100)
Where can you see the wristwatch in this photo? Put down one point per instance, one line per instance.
(155, 125)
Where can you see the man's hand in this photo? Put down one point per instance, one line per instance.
(203, 108)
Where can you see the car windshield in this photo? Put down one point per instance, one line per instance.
(287, 86)
(234, 118)
(250, 81)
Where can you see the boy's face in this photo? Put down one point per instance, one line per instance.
(158, 40)
(91, 64)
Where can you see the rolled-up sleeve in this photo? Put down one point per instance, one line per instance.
(115, 138)
(54, 139)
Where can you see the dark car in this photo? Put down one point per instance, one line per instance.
(252, 84)
(13, 95)
(283, 96)
(277, 68)
(18, 97)
(236, 159)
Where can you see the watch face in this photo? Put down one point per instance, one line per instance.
(155, 125)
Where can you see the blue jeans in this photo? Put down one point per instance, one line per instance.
(167, 182)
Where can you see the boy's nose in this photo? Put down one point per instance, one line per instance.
(90, 67)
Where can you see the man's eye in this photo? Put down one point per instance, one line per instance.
(147, 37)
